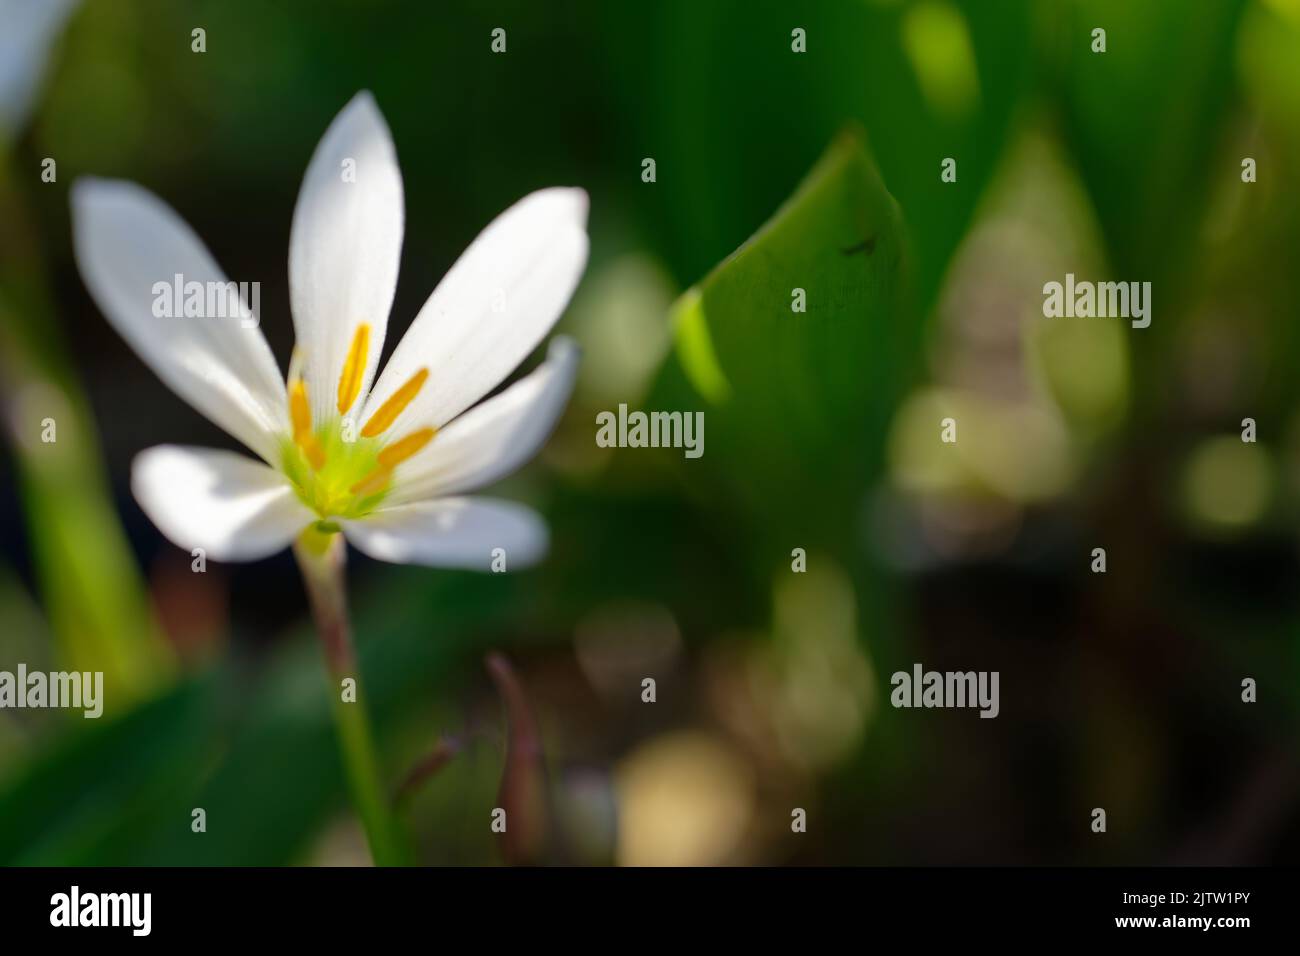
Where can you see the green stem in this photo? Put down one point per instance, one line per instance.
(321, 558)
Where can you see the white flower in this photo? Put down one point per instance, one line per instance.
(418, 439)
(28, 28)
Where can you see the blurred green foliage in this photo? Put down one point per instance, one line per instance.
(800, 410)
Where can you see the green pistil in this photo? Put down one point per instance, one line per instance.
(328, 492)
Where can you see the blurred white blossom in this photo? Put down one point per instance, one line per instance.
(28, 29)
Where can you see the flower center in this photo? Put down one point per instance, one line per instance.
(336, 471)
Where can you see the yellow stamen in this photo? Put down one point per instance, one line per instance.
(300, 415)
(390, 457)
(372, 482)
(354, 368)
(299, 408)
(404, 448)
(388, 412)
(312, 449)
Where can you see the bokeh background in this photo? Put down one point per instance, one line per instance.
(1119, 690)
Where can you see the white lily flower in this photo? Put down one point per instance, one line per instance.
(418, 440)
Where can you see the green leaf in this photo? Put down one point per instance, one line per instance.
(931, 80)
(86, 799)
(796, 402)
(1144, 119)
(731, 113)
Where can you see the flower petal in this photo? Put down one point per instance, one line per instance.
(127, 241)
(232, 507)
(344, 250)
(493, 439)
(495, 305)
(451, 533)
(30, 30)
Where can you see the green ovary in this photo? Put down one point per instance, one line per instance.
(328, 491)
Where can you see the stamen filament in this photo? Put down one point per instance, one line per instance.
(389, 458)
(299, 408)
(300, 415)
(388, 412)
(312, 449)
(404, 448)
(374, 481)
(354, 368)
